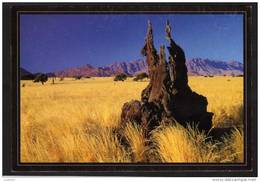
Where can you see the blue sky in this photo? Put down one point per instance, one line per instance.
(51, 42)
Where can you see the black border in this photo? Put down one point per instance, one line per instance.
(11, 95)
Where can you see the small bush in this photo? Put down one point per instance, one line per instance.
(78, 77)
(141, 76)
(120, 77)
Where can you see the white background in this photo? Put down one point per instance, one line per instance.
(108, 179)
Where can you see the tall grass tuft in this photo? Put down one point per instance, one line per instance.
(134, 135)
(233, 146)
(178, 144)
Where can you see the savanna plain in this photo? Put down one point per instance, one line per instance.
(75, 121)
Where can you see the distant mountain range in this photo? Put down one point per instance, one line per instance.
(198, 66)
(195, 66)
(130, 68)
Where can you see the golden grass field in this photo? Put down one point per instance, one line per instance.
(73, 121)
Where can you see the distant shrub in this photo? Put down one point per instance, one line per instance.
(120, 77)
(23, 85)
(78, 77)
(240, 75)
(41, 78)
(61, 78)
(141, 76)
(87, 77)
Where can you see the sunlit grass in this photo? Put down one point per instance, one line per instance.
(178, 144)
(135, 136)
(75, 121)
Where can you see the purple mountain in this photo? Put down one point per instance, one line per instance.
(195, 66)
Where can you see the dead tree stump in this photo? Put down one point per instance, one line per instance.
(168, 96)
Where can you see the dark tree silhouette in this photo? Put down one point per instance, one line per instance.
(41, 78)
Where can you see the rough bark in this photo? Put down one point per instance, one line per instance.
(168, 96)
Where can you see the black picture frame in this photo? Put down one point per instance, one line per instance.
(11, 94)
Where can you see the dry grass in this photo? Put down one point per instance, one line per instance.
(233, 147)
(74, 121)
(177, 144)
(135, 137)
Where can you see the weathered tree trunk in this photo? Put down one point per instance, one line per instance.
(167, 97)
